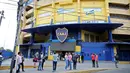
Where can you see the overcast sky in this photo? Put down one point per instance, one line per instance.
(9, 24)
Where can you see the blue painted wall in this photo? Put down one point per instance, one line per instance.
(101, 49)
(6, 54)
(24, 52)
(45, 48)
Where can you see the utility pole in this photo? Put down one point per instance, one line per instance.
(19, 14)
(1, 16)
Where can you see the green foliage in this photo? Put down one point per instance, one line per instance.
(1, 48)
(8, 50)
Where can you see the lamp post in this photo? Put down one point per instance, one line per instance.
(1, 16)
(19, 14)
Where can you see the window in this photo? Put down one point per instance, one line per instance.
(92, 38)
(86, 37)
(97, 38)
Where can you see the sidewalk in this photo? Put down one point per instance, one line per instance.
(29, 63)
(80, 67)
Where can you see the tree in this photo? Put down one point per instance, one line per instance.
(8, 50)
(1, 48)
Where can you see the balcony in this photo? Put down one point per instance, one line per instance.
(124, 21)
(28, 26)
(29, 13)
(119, 11)
(29, 21)
(121, 31)
(124, 2)
(46, 2)
(26, 35)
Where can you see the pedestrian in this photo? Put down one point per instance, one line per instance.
(43, 61)
(70, 60)
(14, 61)
(19, 61)
(22, 64)
(82, 57)
(74, 58)
(1, 58)
(55, 57)
(116, 58)
(66, 61)
(40, 62)
(96, 60)
(93, 60)
(35, 59)
(79, 58)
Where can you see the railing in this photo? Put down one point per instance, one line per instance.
(27, 35)
(29, 12)
(71, 16)
(29, 20)
(46, 2)
(120, 11)
(124, 21)
(28, 26)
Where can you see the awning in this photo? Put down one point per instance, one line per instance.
(95, 27)
(67, 46)
(118, 43)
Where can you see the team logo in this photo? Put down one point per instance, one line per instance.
(62, 34)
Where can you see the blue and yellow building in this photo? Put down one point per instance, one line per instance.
(94, 26)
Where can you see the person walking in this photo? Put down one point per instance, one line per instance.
(35, 59)
(66, 61)
(70, 60)
(74, 58)
(55, 57)
(43, 61)
(96, 60)
(22, 64)
(14, 61)
(93, 60)
(19, 61)
(40, 62)
(82, 57)
(116, 58)
(1, 58)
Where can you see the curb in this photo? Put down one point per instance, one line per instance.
(8, 67)
(124, 62)
(88, 71)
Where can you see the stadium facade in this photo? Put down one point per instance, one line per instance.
(81, 26)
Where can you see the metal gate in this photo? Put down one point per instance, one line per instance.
(104, 52)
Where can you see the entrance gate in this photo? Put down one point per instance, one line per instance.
(104, 52)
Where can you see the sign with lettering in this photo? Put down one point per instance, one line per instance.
(64, 11)
(62, 34)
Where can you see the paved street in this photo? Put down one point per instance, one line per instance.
(123, 68)
(120, 70)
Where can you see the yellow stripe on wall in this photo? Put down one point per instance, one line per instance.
(115, 50)
(78, 49)
(50, 57)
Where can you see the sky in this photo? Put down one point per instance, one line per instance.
(9, 24)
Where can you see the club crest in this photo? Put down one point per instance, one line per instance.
(61, 34)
